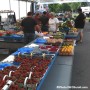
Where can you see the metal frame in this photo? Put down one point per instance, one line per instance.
(19, 9)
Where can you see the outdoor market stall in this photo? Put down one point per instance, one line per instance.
(36, 61)
(10, 33)
(44, 64)
(10, 38)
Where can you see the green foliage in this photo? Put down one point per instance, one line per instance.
(54, 7)
(84, 4)
(66, 6)
(58, 7)
(74, 6)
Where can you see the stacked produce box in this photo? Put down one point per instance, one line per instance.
(11, 36)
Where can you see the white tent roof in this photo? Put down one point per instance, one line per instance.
(56, 1)
(42, 1)
(27, 0)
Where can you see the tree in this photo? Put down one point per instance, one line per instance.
(54, 7)
(74, 6)
(84, 4)
(66, 7)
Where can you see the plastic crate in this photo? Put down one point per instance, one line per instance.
(4, 51)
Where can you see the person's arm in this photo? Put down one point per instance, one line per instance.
(21, 28)
(57, 24)
(84, 17)
(22, 25)
(37, 28)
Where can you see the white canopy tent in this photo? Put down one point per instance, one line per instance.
(55, 1)
(21, 7)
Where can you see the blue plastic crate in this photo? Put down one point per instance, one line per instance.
(40, 41)
(16, 63)
(1, 68)
(4, 64)
(13, 38)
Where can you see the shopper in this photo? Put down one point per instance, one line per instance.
(53, 22)
(80, 23)
(28, 26)
(37, 19)
(44, 22)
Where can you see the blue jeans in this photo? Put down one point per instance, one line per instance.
(28, 37)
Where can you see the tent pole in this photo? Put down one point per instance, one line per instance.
(10, 6)
(19, 9)
(32, 6)
(26, 7)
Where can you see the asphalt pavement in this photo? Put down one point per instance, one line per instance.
(81, 65)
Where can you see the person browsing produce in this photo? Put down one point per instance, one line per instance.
(44, 22)
(53, 22)
(80, 23)
(28, 26)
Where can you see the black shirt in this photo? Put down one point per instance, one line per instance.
(44, 20)
(29, 24)
(79, 21)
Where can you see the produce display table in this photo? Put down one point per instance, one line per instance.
(59, 75)
(59, 68)
(12, 38)
(44, 64)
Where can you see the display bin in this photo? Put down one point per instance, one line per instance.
(74, 36)
(16, 63)
(1, 38)
(71, 36)
(64, 29)
(4, 51)
(49, 68)
(4, 64)
(40, 41)
(13, 39)
(67, 48)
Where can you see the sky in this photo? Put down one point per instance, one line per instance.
(4, 5)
